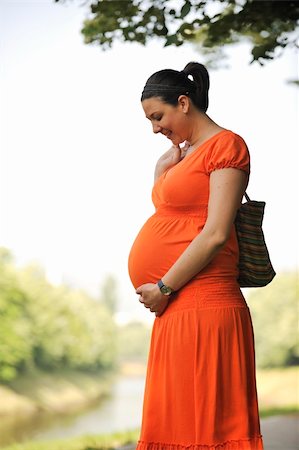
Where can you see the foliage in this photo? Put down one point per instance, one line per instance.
(268, 25)
(275, 316)
(50, 327)
(15, 339)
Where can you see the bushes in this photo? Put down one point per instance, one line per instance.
(50, 327)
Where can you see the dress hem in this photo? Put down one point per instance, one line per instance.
(254, 443)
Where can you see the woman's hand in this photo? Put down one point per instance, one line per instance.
(152, 298)
(170, 158)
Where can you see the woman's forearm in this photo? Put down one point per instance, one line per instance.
(158, 172)
(197, 255)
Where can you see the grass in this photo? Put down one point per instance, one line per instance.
(268, 412)
(102, 442)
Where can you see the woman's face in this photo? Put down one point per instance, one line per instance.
(167, 119)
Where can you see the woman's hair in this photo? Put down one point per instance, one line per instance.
(169, 84)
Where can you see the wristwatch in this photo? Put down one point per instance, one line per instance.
(166, 290)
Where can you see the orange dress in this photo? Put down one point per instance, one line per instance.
(200, 387)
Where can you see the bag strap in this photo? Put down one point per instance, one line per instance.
(246, 196)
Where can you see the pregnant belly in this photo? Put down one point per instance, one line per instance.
(162, 240)
(158, 245)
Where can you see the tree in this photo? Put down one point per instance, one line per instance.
(69, 328)
(15, 329)
(270, 26)
(50, 327)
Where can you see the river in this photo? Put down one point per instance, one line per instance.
(119, 412)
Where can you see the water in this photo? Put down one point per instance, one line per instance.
(120, 412)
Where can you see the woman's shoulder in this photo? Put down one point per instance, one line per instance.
(230, 136)
(228, 149)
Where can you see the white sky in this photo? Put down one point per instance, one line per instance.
(77, 154)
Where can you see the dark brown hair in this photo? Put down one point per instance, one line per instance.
(169, 84)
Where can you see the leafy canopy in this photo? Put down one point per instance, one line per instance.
(270, 26)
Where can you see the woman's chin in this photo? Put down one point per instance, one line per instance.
(175, 141)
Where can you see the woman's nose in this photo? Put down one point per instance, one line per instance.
(156, 128)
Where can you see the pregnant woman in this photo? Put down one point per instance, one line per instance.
(200, 388)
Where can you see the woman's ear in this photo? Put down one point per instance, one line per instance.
(184, 103)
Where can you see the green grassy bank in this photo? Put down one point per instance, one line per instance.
(104, 442)
(59, 393)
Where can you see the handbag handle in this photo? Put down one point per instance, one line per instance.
(246, 196)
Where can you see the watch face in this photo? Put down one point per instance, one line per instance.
(166, 290)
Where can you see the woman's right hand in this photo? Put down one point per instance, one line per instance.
(170, 158)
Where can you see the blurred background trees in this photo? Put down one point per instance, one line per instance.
(50, 327)
(15, 329)
(53, 327)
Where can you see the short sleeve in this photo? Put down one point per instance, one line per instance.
(229, 150)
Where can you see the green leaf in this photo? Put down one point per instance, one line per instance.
(171, 40)
(185, 9)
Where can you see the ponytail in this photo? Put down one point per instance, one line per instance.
(201, 79)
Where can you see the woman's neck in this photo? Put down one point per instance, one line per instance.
(204, 128)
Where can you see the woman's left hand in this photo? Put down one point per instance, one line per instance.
(152, 298)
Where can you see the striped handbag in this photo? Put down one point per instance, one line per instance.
(255, 268)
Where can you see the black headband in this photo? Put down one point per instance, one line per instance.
(165, 87)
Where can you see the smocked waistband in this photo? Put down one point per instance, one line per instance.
(208, 294)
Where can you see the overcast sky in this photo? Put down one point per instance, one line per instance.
(77, 154)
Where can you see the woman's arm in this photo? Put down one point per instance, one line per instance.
(227, 187)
